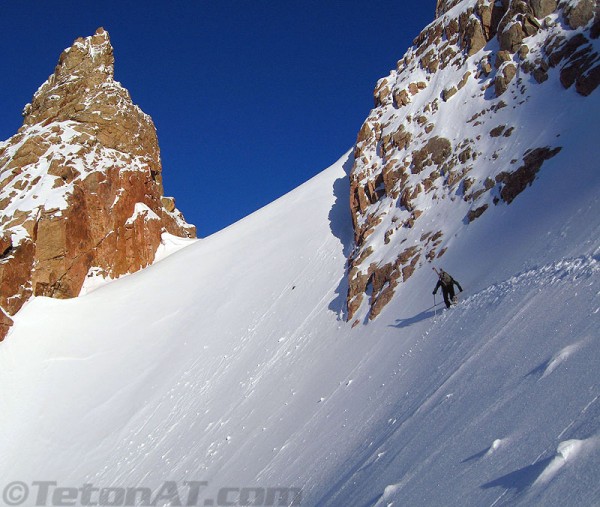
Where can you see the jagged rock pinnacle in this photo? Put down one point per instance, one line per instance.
(82, 89)
(80, 70)
(80, 184)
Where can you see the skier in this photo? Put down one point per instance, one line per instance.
(446, 282)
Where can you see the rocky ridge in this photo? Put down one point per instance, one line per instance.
(456, 127)
(80, 184)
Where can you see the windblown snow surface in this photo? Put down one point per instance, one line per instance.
(230, 362)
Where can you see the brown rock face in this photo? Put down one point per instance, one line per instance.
(80, 183)
(581, 13)
(438, 146)
(543, 8)
(512, 38)
(514, 183)
(504, 78)
(442, 6)
(5, 324)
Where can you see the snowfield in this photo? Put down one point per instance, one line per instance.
(230, 362)
(226, 373)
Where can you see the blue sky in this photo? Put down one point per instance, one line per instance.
(250, 98)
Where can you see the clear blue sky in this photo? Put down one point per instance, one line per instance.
(250, 98)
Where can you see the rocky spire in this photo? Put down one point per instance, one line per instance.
(80, 184)
(80, 71)
(83, 89)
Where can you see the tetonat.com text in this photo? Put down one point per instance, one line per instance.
(186, 493)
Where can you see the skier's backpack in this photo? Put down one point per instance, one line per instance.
(446, 279)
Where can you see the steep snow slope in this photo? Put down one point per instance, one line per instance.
(465, 121)
(147, 376)
(230, 362)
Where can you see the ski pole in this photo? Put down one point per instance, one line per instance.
(434, 305)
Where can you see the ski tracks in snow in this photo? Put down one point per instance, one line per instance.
(564, 278)
(545, 277)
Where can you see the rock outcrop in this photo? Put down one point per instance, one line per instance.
(80, 184)
(443, 134)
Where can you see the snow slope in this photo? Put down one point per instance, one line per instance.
(230, 362)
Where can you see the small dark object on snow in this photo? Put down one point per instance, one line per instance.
(447, 283)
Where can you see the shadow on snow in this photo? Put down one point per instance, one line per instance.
(420, 317)
(340, 222)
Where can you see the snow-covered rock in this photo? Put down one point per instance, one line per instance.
(462, 127)
(73, 181)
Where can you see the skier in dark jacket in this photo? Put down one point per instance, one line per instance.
(446, 282)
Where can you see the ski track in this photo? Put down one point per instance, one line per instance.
(565, 270)
(532, 281)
